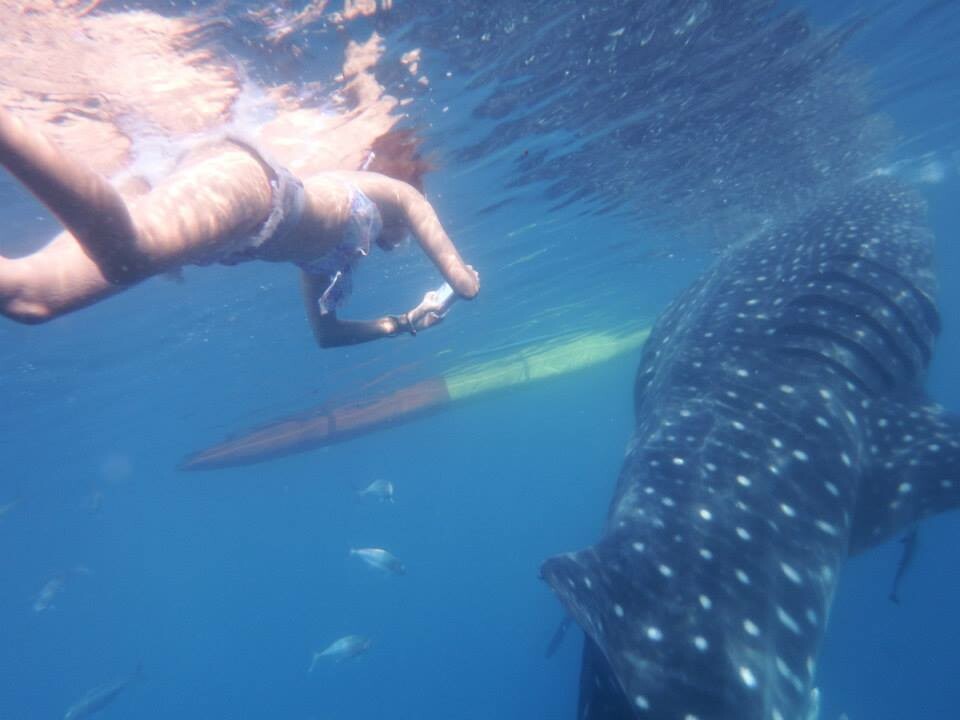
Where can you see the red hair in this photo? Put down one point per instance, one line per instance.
(397, 155)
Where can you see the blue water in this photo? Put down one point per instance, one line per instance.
(223, 584)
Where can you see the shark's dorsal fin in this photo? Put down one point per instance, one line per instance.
(914, 472)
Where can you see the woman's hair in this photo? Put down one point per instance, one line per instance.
(397, 155)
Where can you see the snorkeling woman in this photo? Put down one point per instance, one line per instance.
(225, 203)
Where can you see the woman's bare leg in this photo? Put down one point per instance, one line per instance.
(221, 193)
(56, 279)
(87, 205)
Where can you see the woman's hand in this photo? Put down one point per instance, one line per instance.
(428, 313)
(466, 282)
(400, 203)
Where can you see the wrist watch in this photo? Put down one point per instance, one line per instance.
(402, 323)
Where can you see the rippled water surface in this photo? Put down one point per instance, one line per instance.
(590, 159)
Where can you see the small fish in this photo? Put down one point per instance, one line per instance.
(98, 698)
(7, 507)
(558, 635)
(381, 490)
(906, 559)
(93, 503)
(380, 559)
(50, 589)
(349, 646)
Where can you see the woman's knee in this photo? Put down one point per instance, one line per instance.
(27, 312)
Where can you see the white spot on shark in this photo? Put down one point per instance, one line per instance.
(791, 573)
(784, 617)
(826, 527)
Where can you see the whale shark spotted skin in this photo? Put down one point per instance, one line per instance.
(780, 427)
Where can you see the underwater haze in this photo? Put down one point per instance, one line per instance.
(591, 159)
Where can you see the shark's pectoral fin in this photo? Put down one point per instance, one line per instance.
(572, 577)
(587, 583)
(914, 472)
(627, 606)
(601, 693)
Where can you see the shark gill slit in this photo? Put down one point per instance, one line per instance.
(926, 305)
(881, 380)
(832, 304)
(839, 367)
(909, 324)
(928, 313)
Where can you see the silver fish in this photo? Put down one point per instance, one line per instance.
(380, 559)
(93, 503)
(7, 507)
(50, 589)
(349, 646)
(381, 490)
(98, 698)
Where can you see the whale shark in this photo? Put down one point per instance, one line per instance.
(781, 426)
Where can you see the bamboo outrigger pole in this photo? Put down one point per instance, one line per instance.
(529, 364)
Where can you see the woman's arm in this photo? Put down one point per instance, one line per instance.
(399, 201)
(329, 331)
(437, 245)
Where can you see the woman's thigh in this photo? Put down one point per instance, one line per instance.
(205, 206)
